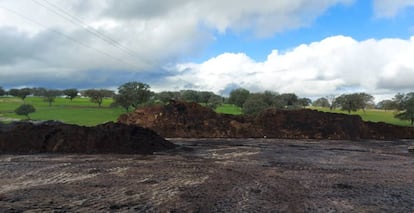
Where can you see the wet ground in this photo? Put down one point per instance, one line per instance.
(222, 175)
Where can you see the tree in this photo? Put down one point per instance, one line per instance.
(408, 108)
(2, 91)
(304, 102)
(214, 101)
(254, 104)
(97, 96)
(123, 101)
(204, 96)
(354, 101)
(387, 105)
(286, 101)
(38, 91)
(21, 93)
(190, 95)
(321, 102)
(167, 96)
(25, 109)
(238, 96)
(71, 93)
(50, 96)
(269, 97)
(365, 100)
(133, 94)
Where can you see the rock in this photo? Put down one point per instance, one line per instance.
(56, 137)
(411, 149)
(181, 119)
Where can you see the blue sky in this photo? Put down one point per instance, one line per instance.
(312, 48)
(357, 20)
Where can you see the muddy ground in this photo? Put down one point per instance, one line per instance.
(217, 175)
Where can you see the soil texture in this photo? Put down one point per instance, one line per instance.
(217, 175)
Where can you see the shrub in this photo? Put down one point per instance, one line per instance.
(25, 110)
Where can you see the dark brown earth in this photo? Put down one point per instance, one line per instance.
(55, 137)
(190, 120)
(218, 175)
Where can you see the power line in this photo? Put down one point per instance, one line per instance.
(79, 22)
(68, 37)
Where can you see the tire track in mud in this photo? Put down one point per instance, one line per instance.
(217, 176)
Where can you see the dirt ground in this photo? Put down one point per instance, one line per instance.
(217, 175)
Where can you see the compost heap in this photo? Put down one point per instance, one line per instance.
(181, 119)
(56, 137)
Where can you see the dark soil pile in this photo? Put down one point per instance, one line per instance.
(55, 137)
(180, 119)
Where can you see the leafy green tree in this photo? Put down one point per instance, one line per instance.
(133, 94)
(238, 96)
(97, 96)
(286, 101)
(321, 102)
(25, 109)
(354, 101)
(71, 93)
(21, 93)
(49, 96)
(408, 108)
(38, 91)
(2, 91)
(269, 97)
(254, 104)
(167, 96)
(214, 101)
(190, 96)
(304, 102)
(204, 96)
(387, 105)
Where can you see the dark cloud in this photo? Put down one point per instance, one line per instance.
(130, 9)
(402, 80)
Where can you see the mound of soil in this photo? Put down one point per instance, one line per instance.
(56, 137)
(191, 120)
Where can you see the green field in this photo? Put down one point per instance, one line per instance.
(372, 115)
(79, 111)
(82, 112)
(229, 109)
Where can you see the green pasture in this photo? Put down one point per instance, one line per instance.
(82, 112)
(229, 109)
(79, 111)
(371, 115)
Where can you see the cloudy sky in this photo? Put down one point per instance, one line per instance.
(312, 48)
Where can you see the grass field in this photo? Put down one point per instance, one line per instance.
(79, 111)
(372, 115)
(229, 109)
(82, 112)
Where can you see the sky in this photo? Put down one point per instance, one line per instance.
(311, 48)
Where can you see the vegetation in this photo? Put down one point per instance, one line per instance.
(25, 109)
(354, 102)
(133, 94)
(399, 110)
(407, 107)
(2, 91)
(49, 96)
(321, 102)
(71, 93)
(21, 93)
(239, 96)
(97, 96)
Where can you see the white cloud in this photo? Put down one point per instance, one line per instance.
(152, 33)
(390, 8)
(334, 65)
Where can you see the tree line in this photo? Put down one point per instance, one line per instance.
(137, 94)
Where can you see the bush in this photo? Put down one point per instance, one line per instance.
(25, 110)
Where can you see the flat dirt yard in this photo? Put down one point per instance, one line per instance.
(217, 175)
